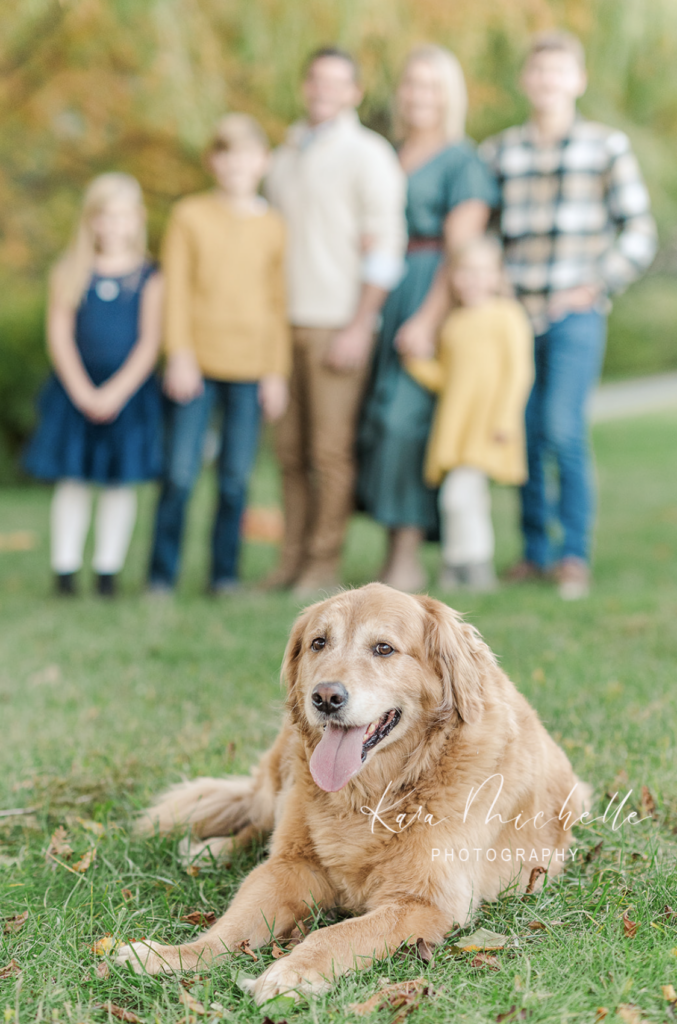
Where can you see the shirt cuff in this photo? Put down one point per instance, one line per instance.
(382, 269)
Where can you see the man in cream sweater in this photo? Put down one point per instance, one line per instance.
(342, 192)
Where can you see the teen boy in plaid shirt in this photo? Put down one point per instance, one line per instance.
(576, 227)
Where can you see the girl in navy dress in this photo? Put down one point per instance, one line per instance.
(100, 410)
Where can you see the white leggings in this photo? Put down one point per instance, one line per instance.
(465, 508)
(70, 519)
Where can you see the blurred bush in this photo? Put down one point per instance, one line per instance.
(23, 366)
(92, 85)
(643, 329)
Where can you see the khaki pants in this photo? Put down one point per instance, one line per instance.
(315, 442)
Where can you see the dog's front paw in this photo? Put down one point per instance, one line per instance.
(290, 978)
(149, 957)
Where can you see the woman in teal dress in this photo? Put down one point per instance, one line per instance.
(450, 193)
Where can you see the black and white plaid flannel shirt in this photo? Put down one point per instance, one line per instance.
(574, 212)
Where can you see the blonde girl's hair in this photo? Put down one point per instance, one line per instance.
(452, 84)
(235, 130)
(491, 246)
(71, 274)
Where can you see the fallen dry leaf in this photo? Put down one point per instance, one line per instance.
(481, 940)
(533, 878)
(193, 870)
(201, 918)
(486, 960)
(403, 996)
(18, 540)
(59, 846)
(191, 1003)
(244, 947)
(105, 945)
(263, 524)
(669, 913)
(10, 970)
(297, 935)
(512, 1014)
(95, 827)
(536, 926)
(102, 971)
(630, 1013)
(595, 852)
(277, 952)
(600, 1014)
(118, 1011)
(629, 930)
(647, 803)
(85, 862)
(424, 950)
(669, 993)
(127, 895)
(50, 675)
(15, 924)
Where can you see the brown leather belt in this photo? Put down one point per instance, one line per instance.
(425, 243)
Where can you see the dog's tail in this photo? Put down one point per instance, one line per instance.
(211, 807)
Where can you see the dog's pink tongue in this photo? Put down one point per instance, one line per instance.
(337, 757)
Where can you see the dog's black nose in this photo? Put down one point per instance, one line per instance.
(329, 697)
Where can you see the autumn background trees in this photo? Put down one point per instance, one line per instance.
(90, 85)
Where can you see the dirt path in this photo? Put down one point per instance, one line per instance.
(620, 399)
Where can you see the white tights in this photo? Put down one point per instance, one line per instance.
(465, 507)
(70, 518)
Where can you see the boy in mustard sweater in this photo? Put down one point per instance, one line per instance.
(483, 373)
(227, 344)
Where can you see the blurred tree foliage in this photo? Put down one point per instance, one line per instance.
(91, 85)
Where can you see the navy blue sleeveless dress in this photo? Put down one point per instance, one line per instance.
(68, 445)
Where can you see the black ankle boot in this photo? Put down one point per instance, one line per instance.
(106, 585)
(66, 584)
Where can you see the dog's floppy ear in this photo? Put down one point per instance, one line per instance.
(292, 652)
(294, 648)
(461, 659)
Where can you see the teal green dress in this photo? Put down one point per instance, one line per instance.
(397, 412)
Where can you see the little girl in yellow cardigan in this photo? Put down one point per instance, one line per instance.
(483, 373)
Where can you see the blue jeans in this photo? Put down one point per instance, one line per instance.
(186, 426)
(568, 362)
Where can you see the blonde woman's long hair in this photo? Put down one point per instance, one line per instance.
(452, 85)
(72, 272)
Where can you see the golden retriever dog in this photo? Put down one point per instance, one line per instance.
(410, 781)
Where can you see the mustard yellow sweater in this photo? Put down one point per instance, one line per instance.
(225, 288)
(483, 373)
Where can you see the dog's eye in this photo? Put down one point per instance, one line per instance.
(318, 643)
(383, 650)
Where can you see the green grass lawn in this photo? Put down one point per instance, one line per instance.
(102, 703)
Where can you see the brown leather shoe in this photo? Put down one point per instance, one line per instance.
(572, 576)
(524, 572)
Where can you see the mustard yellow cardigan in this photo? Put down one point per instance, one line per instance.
(483, 373)
(225, 288)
